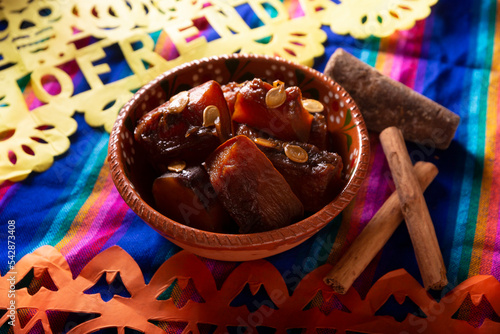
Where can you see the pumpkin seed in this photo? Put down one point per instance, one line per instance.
(312, 106)
(296, 153)
(178, 103)
(264, 142)
(210, 115)
(177, 166)
(276, 96)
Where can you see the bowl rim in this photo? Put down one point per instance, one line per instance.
(295, 232)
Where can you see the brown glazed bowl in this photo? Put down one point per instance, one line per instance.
(133, 175)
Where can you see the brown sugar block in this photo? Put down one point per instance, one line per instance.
(385, 102)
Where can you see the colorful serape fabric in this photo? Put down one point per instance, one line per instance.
(451, 57)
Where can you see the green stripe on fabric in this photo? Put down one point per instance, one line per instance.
(370, 51)
(102, 148)
(484, 54)
(78, 195)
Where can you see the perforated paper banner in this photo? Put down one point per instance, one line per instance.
(184, 297)
(54, 55)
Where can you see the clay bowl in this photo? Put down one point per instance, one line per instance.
(133, 176)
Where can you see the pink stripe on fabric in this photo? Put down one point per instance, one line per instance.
(494, 209)
(370, 197)
(104, 226)
(427, 26)
(89, 212)
(122, 229)
(408, 50)
(294, 9)
(101, 208)
(5, 187)
(380, 185)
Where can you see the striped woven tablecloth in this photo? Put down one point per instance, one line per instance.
(452, 57)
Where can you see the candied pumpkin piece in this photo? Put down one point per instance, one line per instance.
(319, 132)
(209, 94)
(268, 108)
(230, 90)
(251, 190)
(186, 196)
(314, 175)
(176, 129)
(166, 137)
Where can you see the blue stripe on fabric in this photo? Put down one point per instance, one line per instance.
(468, 139)
(158, 247)
(7, 198)
(40, 197)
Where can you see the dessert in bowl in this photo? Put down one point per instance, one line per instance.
(321, 126)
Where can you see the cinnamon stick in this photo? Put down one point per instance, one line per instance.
(374, 236)
(415, 211)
